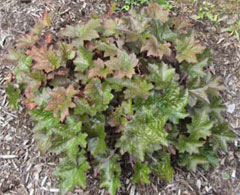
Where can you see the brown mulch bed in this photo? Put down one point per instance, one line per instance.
(24, 171)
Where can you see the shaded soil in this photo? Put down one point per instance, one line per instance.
(24, 171)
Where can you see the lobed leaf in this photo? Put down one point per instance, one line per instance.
(123, 65)
(155, 49)
(44, 120)
(192, 161)
(109, 173)
(83, 60)
(96, 135)
(83, 107)
(99, 69)
(155, 11)
(99, 93)
(221, 135)
(200, 126)
(61, 101)
(161, 75)
(71, 173)
(187, 49)
(108, 48)
(189, 144)
(146, 132)
(45, 59)
(83, 33)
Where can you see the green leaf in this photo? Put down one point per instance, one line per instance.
(145, 131)
(162, 167)
(123, 65)
(146, 127)
(119, 116)
(138, 22)
(66, 52)
(13, 96)
(134, 26)
(44, 22)
(161, 75)
(187, 49)
(141, 173)
(83, 107)
(214, 85)
(174, 102)
(192, 161)
(200, 126)
(202, 89)
(83, 60)
(85, 32)
(198, 129)
(188, 144)
(27, 41)
(155, 49)
(99, 93)
(43, 97)
(108, 48)
(155, 11)
(96, 135)
(162, 31)
(214, 109)
(211, 154)
(110, 171)
(196, 70)
(44, 120)
(138, 87)
(23, 66)
(109, 26)
(68, 138)
(221, 134)
(198, 93)
(72, 174)
(99, 70)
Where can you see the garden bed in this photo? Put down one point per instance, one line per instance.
(23, 170)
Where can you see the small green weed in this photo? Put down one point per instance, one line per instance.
(126, 5)
(208, 11)
(233, 29)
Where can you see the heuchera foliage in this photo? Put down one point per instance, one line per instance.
(139, 86)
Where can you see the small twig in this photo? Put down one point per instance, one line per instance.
(202, 176)
(10, 114)
(8, 156)
(131, 161)
(67, 10)
(236, 132)
(96, 171)
(54, 190)
(183, 78)
(237, 188)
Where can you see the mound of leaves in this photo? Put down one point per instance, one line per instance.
(136, 90)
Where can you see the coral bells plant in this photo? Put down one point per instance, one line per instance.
(138, 86)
